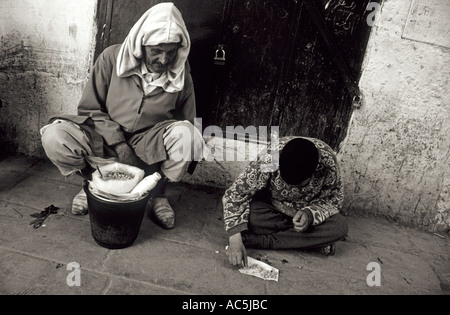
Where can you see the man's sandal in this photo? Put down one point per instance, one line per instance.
(79, 204)
(162, 213)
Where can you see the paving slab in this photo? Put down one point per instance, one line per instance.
(26, 274)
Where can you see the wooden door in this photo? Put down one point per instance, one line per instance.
(279, 70)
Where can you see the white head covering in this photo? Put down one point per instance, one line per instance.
(161, 24)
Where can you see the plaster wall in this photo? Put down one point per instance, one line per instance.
(46, 52)
(395, 158)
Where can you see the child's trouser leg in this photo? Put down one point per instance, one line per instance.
(271, 229)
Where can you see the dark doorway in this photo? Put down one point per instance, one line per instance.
(279, 69)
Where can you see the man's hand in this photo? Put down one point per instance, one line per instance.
(301, 221)
(236, 251)
(126, 155)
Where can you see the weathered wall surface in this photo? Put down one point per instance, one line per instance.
(46, 49)
(396, 154)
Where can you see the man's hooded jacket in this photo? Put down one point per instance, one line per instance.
(114, 107)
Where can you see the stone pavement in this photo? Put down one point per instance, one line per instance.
(190, 259)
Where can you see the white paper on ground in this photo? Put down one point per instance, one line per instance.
(260, 269)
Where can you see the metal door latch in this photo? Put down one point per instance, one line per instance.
(358, 100)
(219, 58)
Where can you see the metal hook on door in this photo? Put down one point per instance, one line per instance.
(219, 58)
(358, 100)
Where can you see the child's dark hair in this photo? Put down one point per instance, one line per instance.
(298, 161)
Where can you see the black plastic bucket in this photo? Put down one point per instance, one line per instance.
(115, 225)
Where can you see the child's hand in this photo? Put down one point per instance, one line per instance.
(237, 255)
(301, 221)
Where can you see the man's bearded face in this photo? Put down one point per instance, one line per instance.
(159, 57)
